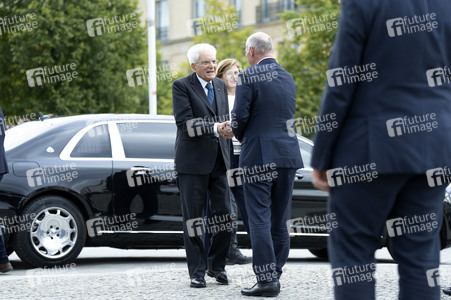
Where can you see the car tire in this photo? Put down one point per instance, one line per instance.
(57, 232)
(321, 253)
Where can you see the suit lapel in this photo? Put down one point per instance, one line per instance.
(197, 87)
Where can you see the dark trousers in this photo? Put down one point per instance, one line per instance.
(362, 210)
(194, 190)
(238, 194)
(268, 204)
(3, 254)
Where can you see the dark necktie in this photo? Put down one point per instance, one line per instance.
(211, 95)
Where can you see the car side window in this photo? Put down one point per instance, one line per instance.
(306, 153)
(148, 140)
(95, 143)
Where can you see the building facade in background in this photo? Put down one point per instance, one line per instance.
(176, 22)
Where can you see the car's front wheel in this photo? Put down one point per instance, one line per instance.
(321, 253)
(57, 232)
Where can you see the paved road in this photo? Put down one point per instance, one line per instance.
(106, 273)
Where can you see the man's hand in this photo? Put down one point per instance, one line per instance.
(320, 180)
(225, 130)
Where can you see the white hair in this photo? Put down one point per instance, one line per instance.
(261, 42)
(194, 52)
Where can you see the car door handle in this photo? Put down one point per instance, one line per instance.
(141, 170)
(299, 176)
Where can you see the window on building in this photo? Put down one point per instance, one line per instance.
(237, 4)
(162, 16)
(199, 7)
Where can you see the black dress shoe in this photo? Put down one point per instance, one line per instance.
(238, 259)
(269, 289)
(221, 276)
(197, 283)
(447, 291)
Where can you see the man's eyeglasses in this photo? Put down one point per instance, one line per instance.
(207, 62)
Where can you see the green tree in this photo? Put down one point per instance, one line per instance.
(60, 38)
(306, 49)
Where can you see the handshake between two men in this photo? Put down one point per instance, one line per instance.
(225, 130)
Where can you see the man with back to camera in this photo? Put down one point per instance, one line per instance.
(265, 101)
(394, 124)
(200, 101)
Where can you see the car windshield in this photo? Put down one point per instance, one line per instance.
(19, 134)
(306, 153)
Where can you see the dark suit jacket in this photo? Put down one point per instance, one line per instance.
(3, 163)
(197, 154)
(265, 100)
(368, 33)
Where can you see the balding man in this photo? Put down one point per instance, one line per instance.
(200, 103)
(265, 101)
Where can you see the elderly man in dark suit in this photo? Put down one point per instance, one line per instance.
(265, 102)
(388, 160)
(201, 108)
(5, 265)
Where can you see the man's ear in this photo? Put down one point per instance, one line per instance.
(193, 67)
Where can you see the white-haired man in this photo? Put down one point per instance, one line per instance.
(201, 108)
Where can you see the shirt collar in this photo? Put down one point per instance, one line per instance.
(202, 82)
(264, 59)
